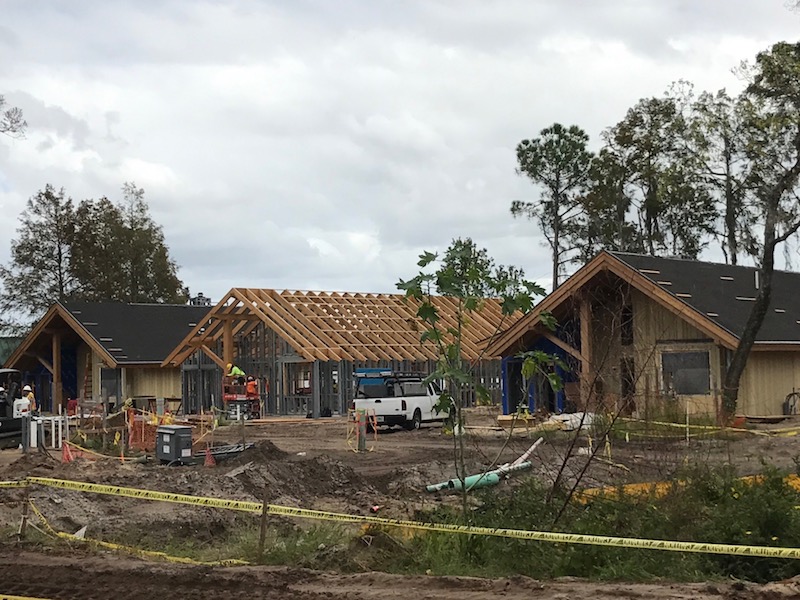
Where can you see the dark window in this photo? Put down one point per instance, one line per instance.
(414, 388)
(371, 390)
(626, 325)
(686, 372)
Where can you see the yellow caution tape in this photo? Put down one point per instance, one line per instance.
(541, 536)
(45, 523)
(153, 554)
(98, 454)
(546, 536)
(132, 550)
(13, 484)
(782, 432)
(115, 490)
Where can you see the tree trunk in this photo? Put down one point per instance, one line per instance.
(730, 389)
(730, 207)
(556, 253)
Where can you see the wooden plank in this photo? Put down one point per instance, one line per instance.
(363, 335)
(44, 363)
(318, 337)
(321, 313)
(349, 332)
(607, 262)
(227, 343)
(213, 356)
(196, 331)
(57, 384)
(585, 310)
(563, 345)
(304, 340)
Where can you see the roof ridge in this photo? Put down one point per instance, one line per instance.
(693, 260)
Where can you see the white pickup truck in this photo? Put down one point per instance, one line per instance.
(397, 398)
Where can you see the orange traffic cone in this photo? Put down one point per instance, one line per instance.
(66, 453)
(209, 462)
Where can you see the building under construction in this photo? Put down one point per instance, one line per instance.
(303, 347)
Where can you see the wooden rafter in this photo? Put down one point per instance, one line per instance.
(337, 325)
(607, 262)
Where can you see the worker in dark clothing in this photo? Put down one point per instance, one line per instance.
(4, 402)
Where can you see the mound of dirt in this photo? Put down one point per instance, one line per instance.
(263, 452)
(264, 472)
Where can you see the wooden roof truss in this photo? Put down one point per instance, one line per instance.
(333, 326)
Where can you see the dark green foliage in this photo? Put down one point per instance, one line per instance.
(39, 273)
(711, 505)
(469, 276)
(99, 251)
(120, 254)
(559, 161)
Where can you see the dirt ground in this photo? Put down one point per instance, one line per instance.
(309, 464)
(100, 577)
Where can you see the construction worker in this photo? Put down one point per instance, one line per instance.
(234, 371)
(27, 394)
(251, 388)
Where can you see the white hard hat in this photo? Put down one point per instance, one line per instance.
(27, 388)
(2, 389)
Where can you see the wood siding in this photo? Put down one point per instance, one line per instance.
(766, 381)
(158, 382)
(655, 330)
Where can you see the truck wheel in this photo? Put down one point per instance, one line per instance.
(415, 421)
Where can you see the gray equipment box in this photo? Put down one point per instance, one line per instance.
(174, 444)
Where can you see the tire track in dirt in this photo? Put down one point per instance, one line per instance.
(88, 576)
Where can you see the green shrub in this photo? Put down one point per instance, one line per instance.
(709, 505)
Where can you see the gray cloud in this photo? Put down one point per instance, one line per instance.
(315, 144)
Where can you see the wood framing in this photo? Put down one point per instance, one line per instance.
(334, 326)
(654, 337)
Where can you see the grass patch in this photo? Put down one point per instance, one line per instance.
(712, 506)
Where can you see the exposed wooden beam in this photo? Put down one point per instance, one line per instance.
(574, 352)
(227, 343)
(585, 310)
(45, 364)
(213, 356)
(236, 317)
(57, 385)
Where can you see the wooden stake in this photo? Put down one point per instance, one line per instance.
(262, 538)
(23, 524)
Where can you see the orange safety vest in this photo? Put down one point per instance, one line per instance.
(251, 388)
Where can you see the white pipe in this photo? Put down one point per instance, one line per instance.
(530, 450)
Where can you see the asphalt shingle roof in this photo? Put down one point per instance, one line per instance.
(137, 333)
(725, 293)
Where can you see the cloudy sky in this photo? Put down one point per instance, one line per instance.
(322, 144)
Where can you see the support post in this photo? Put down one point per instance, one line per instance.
(362, 430)
(586, 351)
(227, 341)
(341, 378)
(57, 384)
(23, 524)
(315, 389)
